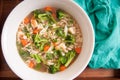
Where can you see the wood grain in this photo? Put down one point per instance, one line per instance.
(7, 74)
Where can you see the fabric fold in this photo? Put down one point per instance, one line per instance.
(105, 18)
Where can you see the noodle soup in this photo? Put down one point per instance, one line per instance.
(49, 40)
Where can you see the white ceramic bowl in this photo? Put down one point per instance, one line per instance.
(9, 40)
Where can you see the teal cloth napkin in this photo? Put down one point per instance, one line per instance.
(105, 17)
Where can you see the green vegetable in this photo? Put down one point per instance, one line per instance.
(57, 53)
(39, 42)
(63, 59)
(60, 14)
(69, 39)
(41, 46)
(60, 32)
(27, 33)
(54, 68)
(49, 56)
(36, 57)
(70, 56)
(54, 40)
(47, 17)
(36, 13)
(36, 38)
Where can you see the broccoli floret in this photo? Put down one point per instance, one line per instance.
(60, 14)
(70, 56)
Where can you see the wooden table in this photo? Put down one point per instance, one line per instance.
(6, 74)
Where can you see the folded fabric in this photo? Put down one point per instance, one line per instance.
(105, 17)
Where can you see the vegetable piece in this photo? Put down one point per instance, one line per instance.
(60, 32)
(48, 8)
(52, 10)
(46, 47)
(60, 14)
(31, 64)
(57, 53)
(78, 50)
(49, 56)
(70, 56)
(63, 59)
(39, 42)
(69, 39)
(36, 13)
(36, 57)
(54, 68)
(35, 31)
(24, 42)
(38, 60)
(26, 20)
(62, 68)
(41, 46)
(47, 17)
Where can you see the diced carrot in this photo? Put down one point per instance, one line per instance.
(31, 64)
(54, 43)
(24, 42)
(78, 50)
(48, 8)
(62, 68)
(26, 20)
(46, 47)
(35, 31)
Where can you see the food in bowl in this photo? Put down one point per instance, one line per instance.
(49, 40)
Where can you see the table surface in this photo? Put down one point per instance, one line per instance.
(6, 73)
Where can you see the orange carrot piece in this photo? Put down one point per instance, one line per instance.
(31, 64)
(48, 8)
(62, 68)
(78, 50)
(26, 20)
(54, 43)
(46, 47)
(35, 31)
(24, 42)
